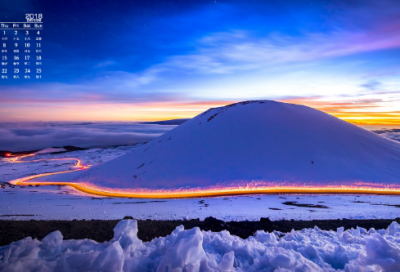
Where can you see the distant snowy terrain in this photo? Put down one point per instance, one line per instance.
(307, 250)
(253, 141)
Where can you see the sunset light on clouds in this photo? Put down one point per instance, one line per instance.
(180, 59)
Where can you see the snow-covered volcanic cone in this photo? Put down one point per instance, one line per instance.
(260, 141)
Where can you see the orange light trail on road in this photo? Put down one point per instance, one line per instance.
(17, 159)
(193, 193)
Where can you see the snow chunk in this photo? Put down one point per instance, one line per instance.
(380, 255)
(227, 262)
(264, 237)
(394, 228)
(111, 259)
(52, 244)
(186, 252)
(125, 232)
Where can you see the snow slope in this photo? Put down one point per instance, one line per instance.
(194, 250)
(261, 141)
(51, 150)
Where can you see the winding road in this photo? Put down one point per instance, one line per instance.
(189, 193)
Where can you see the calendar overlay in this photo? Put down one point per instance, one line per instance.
(21, 50)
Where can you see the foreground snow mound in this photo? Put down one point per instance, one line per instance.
(263, 141)
(199, 251)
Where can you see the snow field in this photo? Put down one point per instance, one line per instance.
(194, 250)
(65, 203)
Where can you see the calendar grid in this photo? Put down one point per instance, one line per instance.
(21, 50)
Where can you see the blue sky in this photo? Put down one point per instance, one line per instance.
(149, 60)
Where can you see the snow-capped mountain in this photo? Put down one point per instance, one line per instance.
(264, 141)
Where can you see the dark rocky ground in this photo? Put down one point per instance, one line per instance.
(102, 230)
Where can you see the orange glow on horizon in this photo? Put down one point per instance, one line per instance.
(195, 192)
(138, 112)
(356, 112)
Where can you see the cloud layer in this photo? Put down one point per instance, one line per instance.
(34, 136)
(25, 136)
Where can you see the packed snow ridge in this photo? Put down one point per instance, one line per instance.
(253, 141)
(196, 250)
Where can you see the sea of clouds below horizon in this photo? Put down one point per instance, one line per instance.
(27, 136)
